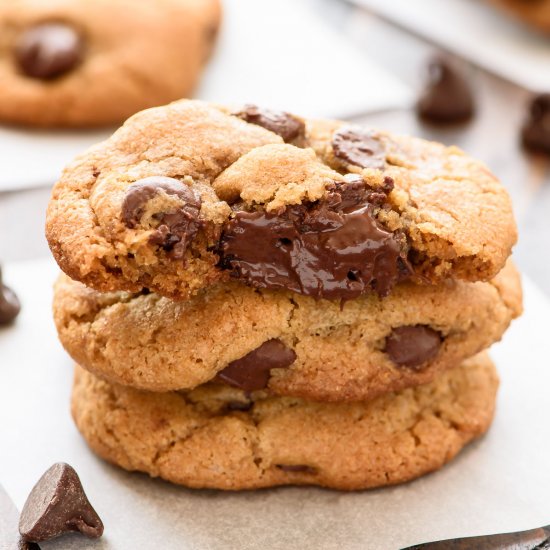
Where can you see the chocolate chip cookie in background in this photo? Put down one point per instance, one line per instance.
(69, 63)
(535, 13)
(220, 437)
(9, 303)
(289, 344)
(447, 97)
(334, 212)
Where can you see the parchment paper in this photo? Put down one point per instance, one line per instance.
(500, 483)
(276, 53)
(476, 31)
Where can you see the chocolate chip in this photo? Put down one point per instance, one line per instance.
(49, 50)
(10, 539)
(176, 227)
(535, 133)
(359, 147)
(9, 303)
(297, 468)
(447, 97)
(411, 346)
(56, 505)
(242, 406)
(283, 124)
(252, 371)
(334, 249)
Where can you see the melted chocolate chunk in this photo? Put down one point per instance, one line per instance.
(283, 124)
(9, 303)
(252, 371)
(56, 505)
(521, 540)
(447, 97)
(176, 228)
(535, 134)
(359, 147)
(411, 346)
(298, 468)
(334, 249)
(49, 50)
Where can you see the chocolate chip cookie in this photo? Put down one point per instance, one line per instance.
(77, 63)
(534, 12)
(221, 437)
(289, 344)
(191, 194)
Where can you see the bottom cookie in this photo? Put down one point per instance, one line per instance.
(219, 437)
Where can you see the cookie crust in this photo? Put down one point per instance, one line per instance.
(455, 215)
(151, 343)
(194, 439)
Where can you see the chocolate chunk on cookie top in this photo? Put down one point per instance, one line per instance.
(252, 371)
(359, 147)
(175, 219)
(49, 50)
(56, 505)
(281, 123)
(333, 249)
(535, 134)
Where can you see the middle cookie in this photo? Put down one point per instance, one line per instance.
(318, 350)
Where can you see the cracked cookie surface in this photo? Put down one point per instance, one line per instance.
(66, 63)
(312, 349)
(220, 437)
(274, 213)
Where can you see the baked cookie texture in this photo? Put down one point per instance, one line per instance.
(533, 12)
(192, 194)
(222, 438)
(68, 63)
(337, 353)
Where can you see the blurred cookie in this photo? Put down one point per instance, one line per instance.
(534, 12)
(190, 194)
(291, 345)
(223, 438)
(83, 63)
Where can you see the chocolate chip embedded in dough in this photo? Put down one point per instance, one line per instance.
(360, 147)
(412, 345)
(334, 248)
(49, 50)
(57, 505)
(281, 123)
(252, 371)
(177, 226)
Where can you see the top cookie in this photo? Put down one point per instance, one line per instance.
(96, 62)
(189, 194)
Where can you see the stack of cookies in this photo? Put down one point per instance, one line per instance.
(254, 299)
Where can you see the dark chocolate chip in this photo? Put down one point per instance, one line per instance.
(252, 371)
(334, 249)
(10, 539)
(447, 97)
(9, 303)
(283, 124)
(56, 505)
(535, 133)
(534, 539)
(297, 468)
(411, 346)
(359, 147)
(177, 227)
(49, 50)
